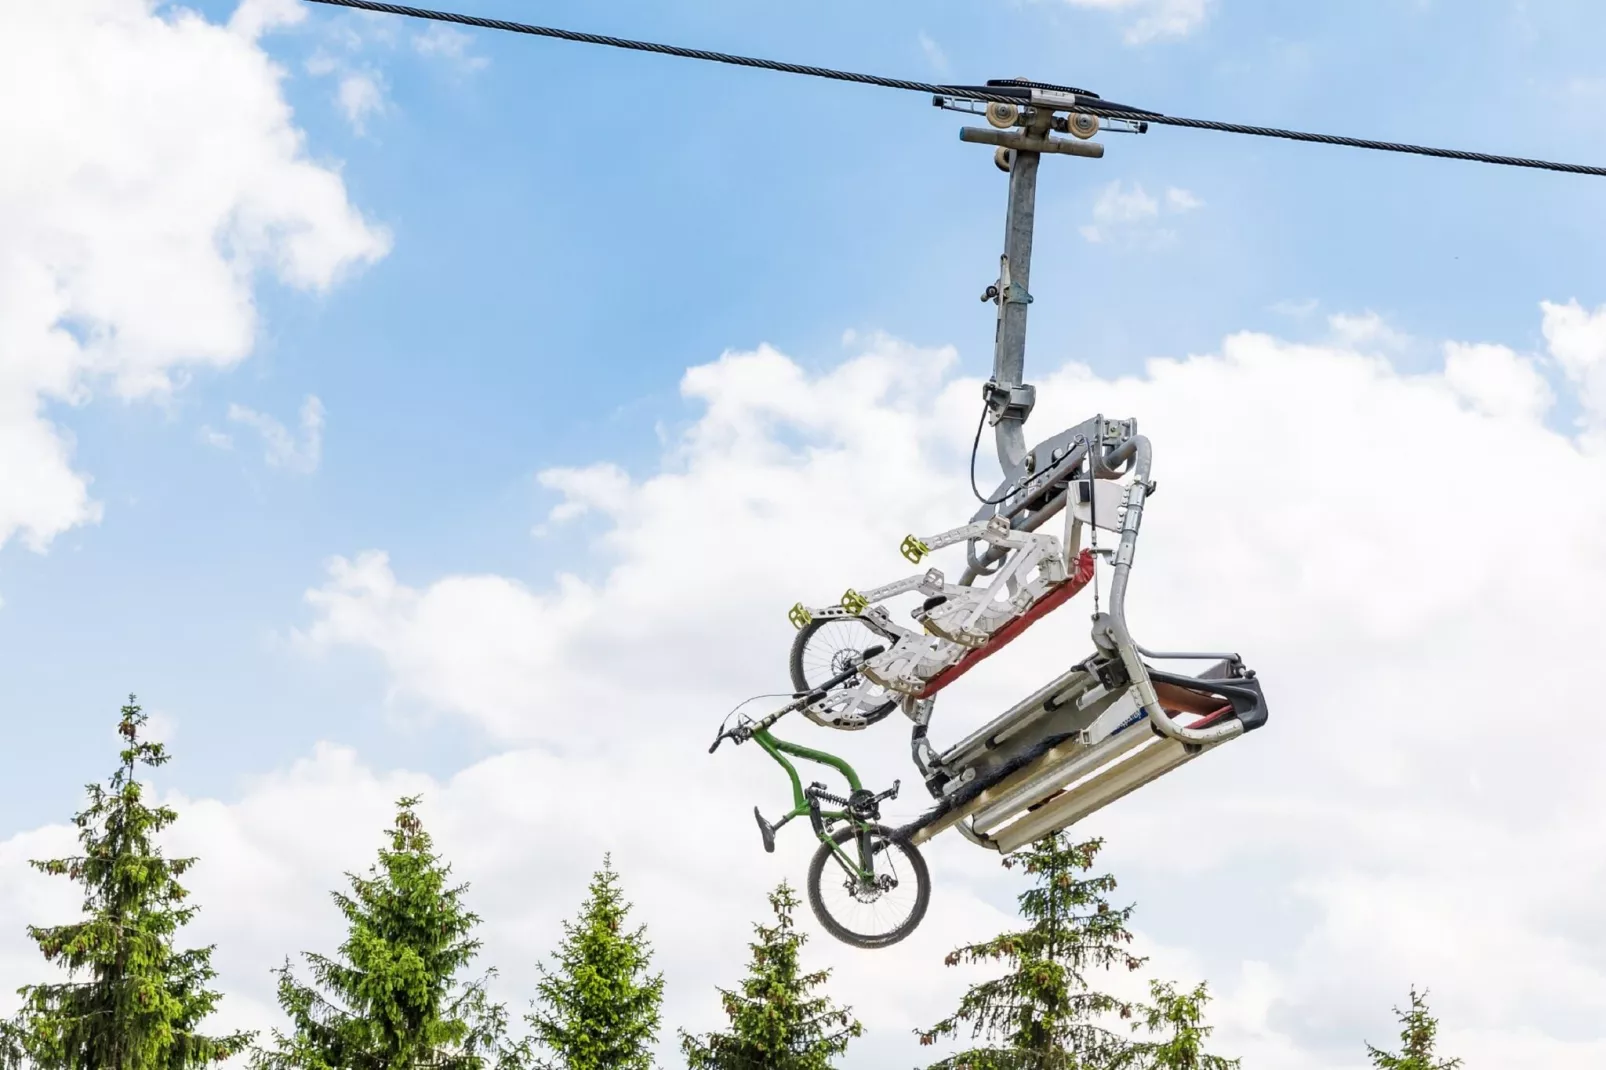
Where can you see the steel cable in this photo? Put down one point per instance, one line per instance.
(1091, 105)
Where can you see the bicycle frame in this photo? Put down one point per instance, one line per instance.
(778, 749)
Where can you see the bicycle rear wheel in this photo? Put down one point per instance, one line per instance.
(824, 647)
(874, 913)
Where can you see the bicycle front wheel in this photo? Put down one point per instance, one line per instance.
(872, 909)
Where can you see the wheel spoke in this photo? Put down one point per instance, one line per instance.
(876, 915)
(822, 657)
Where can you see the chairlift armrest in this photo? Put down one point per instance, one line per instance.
(1243, 693)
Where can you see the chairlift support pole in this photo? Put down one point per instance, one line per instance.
(1022, 136)
(1009, 397)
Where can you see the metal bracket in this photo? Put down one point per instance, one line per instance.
(1015, 294)
(1011, 402)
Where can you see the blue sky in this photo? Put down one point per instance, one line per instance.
(574, 227)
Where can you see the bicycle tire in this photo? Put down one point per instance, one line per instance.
(841, 932)
(800, 680)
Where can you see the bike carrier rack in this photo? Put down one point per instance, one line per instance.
(1104, 727)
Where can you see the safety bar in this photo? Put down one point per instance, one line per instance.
(1113, 625)
(1180, 655)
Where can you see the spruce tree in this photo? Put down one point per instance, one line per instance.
(140, 1002)
(1044, 1013)
(392, 999)
(1181, 1015)
(1416, 1039)
(775, 1023)
(598, 1010)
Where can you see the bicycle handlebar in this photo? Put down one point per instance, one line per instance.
(741, 732)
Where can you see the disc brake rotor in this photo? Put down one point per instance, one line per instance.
(870, 891)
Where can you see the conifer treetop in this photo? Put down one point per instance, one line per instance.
(143, 1001)
(1181, 1016)
(597, 1008)
(1045, 1012)
(391, 997)
(1418, 1035)
(776, 1023)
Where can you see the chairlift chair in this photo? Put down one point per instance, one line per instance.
(1099, 730)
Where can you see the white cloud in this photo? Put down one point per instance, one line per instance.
(1180, 200)
(133, 225)
(1367, 331)
(1297, 309)
(160, 728)
(348, 51)
(360, 96)
(1152, 20)
(934, 53)
(599, 487)
(1498, 381)
(359, 90)
(1577, 339)
(282, 448)
(253, 18)
(450, 44)
(1116, 206)
(1415, 811)
(1126, 212)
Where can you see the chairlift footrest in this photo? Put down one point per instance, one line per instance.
(1066, 590)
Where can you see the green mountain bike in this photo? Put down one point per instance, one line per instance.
(867, 886)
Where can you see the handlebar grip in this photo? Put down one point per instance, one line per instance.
(717, 741)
